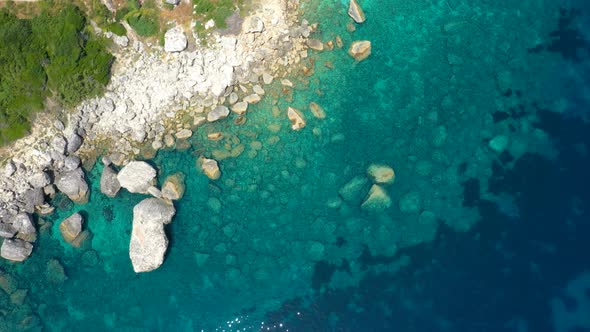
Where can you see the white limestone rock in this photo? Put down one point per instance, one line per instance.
(23, 222)
(15, 250)
(73, 184)
(296, 117)
(40, 180)
(360, 50)
(109, 183)
(356, 12)
(175, 40)
(173, 187)
(7, 230)
(210, 168)
(253, 24)
(240, 107)
(149, 243)
(137, 177)
(71, 227)
(377, 200)
(381, 174)
(217, 113)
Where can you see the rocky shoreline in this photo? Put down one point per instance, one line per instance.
(152, 93)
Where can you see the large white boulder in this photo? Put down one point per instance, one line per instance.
(149, 243)
(109, 184)
(15, 250)
(73, 184)
(175, 40)
(137, 177)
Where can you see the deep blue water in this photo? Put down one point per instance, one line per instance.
(271, 246)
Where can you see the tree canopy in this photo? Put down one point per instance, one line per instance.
(51, 55)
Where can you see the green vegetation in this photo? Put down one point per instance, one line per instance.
(216, 10)
(51, 55)
(117, 28)
(144, 19)
(144, 22)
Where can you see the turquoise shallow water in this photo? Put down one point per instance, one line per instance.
(271, 242)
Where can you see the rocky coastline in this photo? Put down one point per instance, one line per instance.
(156, 95)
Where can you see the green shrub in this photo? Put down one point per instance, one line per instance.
(117, 28)
(144, 22)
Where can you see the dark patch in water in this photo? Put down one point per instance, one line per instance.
(471, 191)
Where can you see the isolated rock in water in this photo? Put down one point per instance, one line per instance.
(360, 50)
(378, 200)
(210, 168)
(23, 222)
(356, 12)
(16, 250)
(175, 40)
(217, 113)
(297, 120)
(315, 44)
(71, 227)
(381, 173)
(148, 241)
(173, 187)
(137, 177)
(73, 184)
(109, 184)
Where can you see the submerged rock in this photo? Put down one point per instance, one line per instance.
(173, 187)
(315, 44)
(360, 50)
(109, 183)
(175, 40)
(317, 110)
(55, 272)
(410, 202)
(297, 120)
(137, 177)
(377, 200)
(149, 243)
(73, 184)
(356, 12)
(15, 250)
(71, 227)
(381, 173)
(354, 190)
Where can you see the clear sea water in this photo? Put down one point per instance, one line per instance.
(271, 246)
